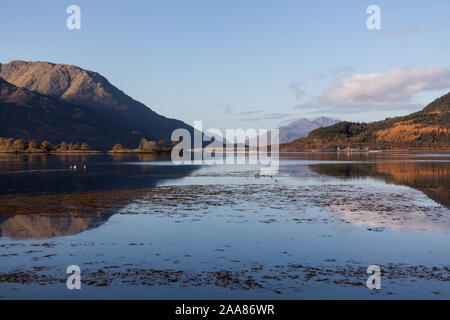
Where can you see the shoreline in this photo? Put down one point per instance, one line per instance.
(280, 152)
(51, 152)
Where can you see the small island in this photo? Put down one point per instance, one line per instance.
(145, 146)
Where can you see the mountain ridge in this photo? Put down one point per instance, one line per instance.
(293, 130)
(426, 129)
(69, 83)
(302, 127)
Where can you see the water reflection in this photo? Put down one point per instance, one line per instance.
(55, 173)
(165, 231)
(43, 197)
(432, 178)
(42, 226)
(383, 205)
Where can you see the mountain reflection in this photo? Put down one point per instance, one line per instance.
(42, 197)
(39, 226)
(432, 178)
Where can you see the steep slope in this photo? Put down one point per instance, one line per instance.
(426, 129)
(29, 115)
(90, 89)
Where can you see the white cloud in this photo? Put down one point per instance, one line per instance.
(394, 86)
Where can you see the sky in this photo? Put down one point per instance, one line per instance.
(246, 63)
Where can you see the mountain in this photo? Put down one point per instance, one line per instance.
(29, 115)
(71, 84)
(425, 129)
(298, 129)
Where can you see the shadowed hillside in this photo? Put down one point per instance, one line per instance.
(70, 84)
(29, 115)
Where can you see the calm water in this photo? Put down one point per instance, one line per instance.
(140, 227)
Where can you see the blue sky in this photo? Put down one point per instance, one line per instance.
(246, 63)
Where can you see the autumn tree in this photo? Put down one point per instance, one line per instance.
(84, 146)
(143, 144)
(9, 143)
(117, 146)
(32, 144)
(148, 146)
(6, 143)
(19, 145)
(63, 146)
(47, 146)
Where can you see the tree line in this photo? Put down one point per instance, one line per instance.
(21, 145)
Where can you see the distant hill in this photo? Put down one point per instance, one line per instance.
(91, 92)
(425, 129)
(300, 128)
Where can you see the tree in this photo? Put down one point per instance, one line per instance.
(117, 146)
(9, 143)
(143, 144)
(47, 146)
(148, 146)
(32, 144)
(63, 146)
(20, 145)
(84, 146)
